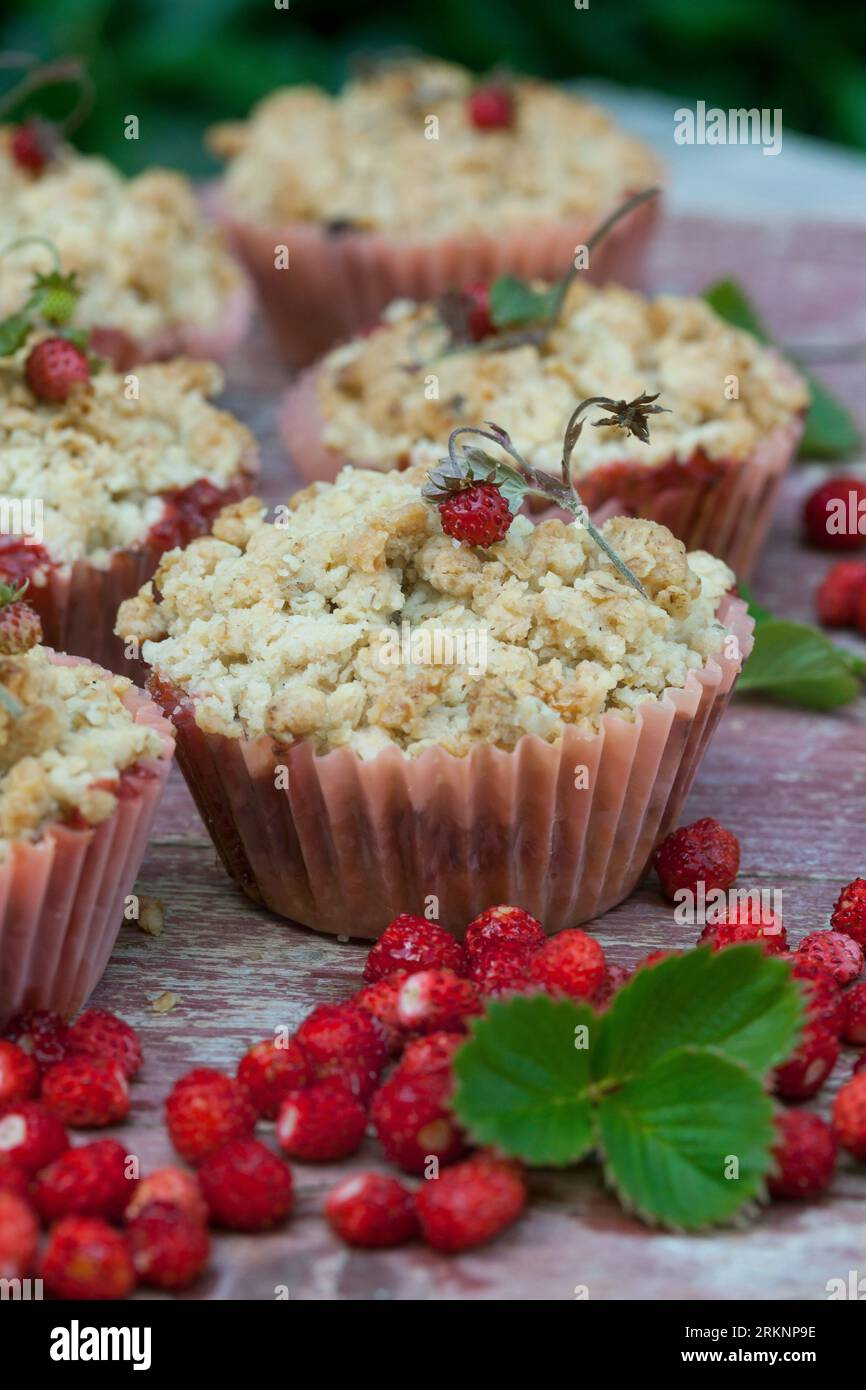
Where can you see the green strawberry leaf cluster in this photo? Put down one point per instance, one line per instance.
(668, 1087)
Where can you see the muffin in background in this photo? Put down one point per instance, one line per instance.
(403, 186)
(83, 760)
(533, 748)
(711, 472)
(157, 279)
(95, 487)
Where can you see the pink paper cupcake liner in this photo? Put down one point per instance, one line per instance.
(77, 603)
(62, 897)
(723, 506)
(337, 284)
(346, 845)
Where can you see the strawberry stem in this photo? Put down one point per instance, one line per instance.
(563, 492)
(57, 73)
(33, 239)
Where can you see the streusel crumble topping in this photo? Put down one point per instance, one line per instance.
(373, 392)
(363, 158)
(288, 629)
(146, 258)
(99, 461)
(66, 749)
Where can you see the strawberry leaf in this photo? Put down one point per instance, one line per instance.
(514, 302)
(13, 333)
(688, 1142)
(736, 1000)
(523, 1081)
(798, 665)
(830, 431)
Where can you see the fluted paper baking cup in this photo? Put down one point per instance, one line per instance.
(77, 603)
(62, 896)
(723, 506)
(337, 284)
(344, 845)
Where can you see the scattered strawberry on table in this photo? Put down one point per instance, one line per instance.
(400, 1061)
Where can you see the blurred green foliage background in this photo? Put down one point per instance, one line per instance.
(179, 65)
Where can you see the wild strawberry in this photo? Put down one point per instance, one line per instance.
(412, 943)
(205, 1110)
(246, 1186)
(19, 1235)
(42, 1034)
(270, 1070)
(173, 1187)
(413, 1122)
(20, 628)
(380, 1000)
(571, 963)
(653, 958)
(805, 1155)
(503, 926)
(849, 1116)
(854, 1027)
(13, 1178)
(829, 511)
(615, 977)
(372, 1210)
(502, 970)
(747, 924)
(30, 146)
(88, 1181)
(704, 852)
(478, 319)
(431, 1001)
(806, 1070)
(858, 1066)
(840, 954)
(30, 1135)
(824, 998)
(839, 594)
(116, 346)
(100, 1034)
(53, 367)
(86, 1092)
(477, 514)
(849, 911)
(324, 1122)
(86, 1258)
(490, 107)
(345, 1041)
(19, 1074)
(470, 1203)
(433, 1053)
(169, 1251)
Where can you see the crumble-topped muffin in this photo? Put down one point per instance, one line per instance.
(288, 629)
(109, 467)
(146, 258)
(362, 159)
(63, 757)
(372, 393)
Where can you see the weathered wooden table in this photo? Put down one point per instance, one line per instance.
(791, 784)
